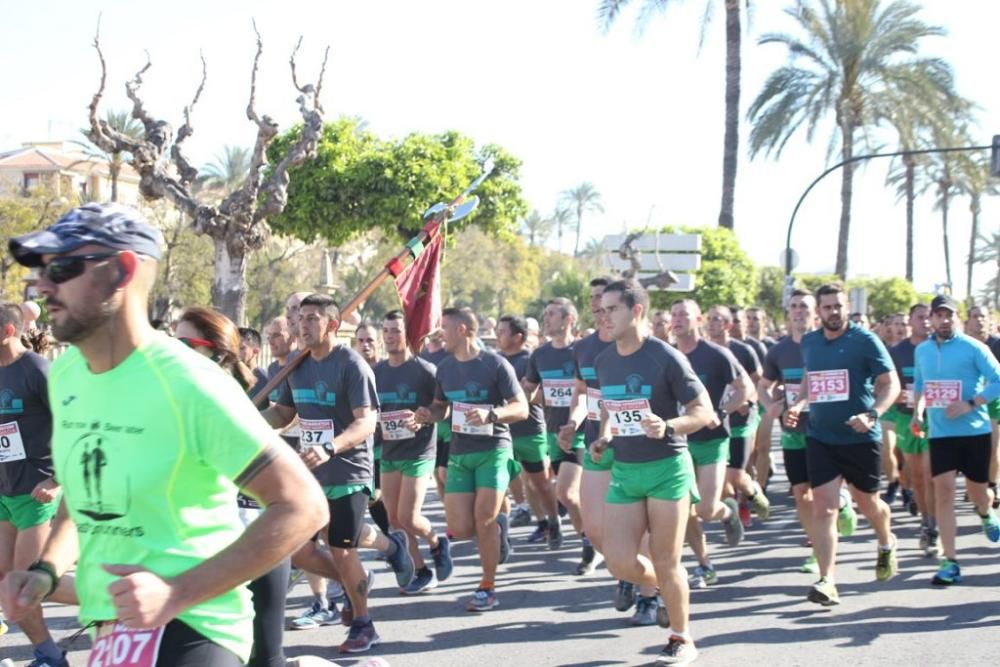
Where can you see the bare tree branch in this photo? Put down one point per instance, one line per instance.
(319, 84)
(187, 171)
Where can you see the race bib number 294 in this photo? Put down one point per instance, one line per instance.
(118, 646)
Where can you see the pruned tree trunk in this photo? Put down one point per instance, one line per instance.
(229, 285)
(945, 203)
(910, 198)
(238, 225)
(846, 194)
(974, 208)
(579, 227)
(731, 140)
(114, 170)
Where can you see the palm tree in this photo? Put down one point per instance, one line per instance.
(120, 121)
(229, 170)
(855, 59)
(917, 132)
(988, 252)
(975, 181)
(945, 173)
(581, 199)
(608, 11)
(537, 228)
(560, 218)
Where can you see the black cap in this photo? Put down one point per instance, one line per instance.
(113, 226)
(943, 301)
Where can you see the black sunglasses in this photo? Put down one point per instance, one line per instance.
(66, 267)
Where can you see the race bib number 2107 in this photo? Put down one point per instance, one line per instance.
(118, 646)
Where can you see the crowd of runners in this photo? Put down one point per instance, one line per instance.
(139, 482)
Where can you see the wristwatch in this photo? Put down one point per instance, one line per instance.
(329, 448)
(972, 402)
(872, 414)
(491, 416)
(670, 432)
(49, 569)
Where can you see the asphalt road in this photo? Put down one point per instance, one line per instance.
(756, 615)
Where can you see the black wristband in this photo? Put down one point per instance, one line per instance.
(972, 402)
(49, 569)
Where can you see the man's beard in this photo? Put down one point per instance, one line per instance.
(74, 329)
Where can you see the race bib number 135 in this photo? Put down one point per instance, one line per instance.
(625, 416)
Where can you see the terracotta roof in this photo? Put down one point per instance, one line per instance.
(34, 158)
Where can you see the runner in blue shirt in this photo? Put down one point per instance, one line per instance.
(850, 381)
(956, 377)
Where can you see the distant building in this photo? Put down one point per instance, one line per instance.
(64, 169)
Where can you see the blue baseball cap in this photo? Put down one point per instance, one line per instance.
(112, 226)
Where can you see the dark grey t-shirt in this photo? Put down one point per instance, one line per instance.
(585, 352)
(747, 356)
(758, 347)
(656, 378)
(488, 380)
(25, 425)
(405, 387)
(324, 394)
(783, 364)
(435, 357)
(554, 369)
(535, 423)
(716, 367)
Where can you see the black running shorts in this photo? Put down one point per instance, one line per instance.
(860, 464)
(347, 518)
(969, 455)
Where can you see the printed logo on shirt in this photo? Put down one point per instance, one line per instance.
(320, 394)
(569, 369)
(10, 404)
(473, 393)
(90, 457)
(403, 394)
(633, 384)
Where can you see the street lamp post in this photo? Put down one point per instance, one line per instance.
(994, 170)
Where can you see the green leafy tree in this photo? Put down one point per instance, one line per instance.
(608, 11)
(727, 274)
(770, 291)
(887, 296)
(488, 274)
(358, 182)
(988, 252)
(584, 198)
(20, 215)
(854, 60)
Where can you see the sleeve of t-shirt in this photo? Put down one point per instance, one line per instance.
(285, 394)
(878, 358)
(682, 381)
(531, 374)
(989, 368)
(41, 379)
(360, 381)
(227, 431)
(772, 372)
(510, 388)
(576, 365)
(755, 362)
(731, 371)
(438, 389)
(918, 375)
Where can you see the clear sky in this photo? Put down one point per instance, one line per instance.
(639, 117)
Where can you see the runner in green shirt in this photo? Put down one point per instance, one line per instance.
(480, 391)
(151, 442)
(644, 383)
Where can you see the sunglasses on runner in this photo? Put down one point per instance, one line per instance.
(66, 267)
(196, 342)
